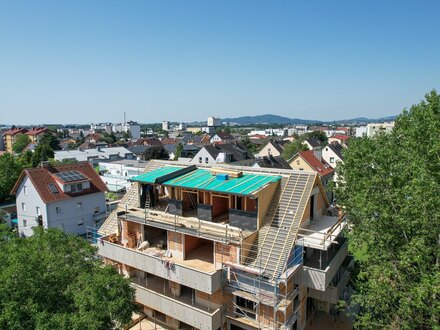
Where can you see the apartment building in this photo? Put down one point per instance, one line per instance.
(228, 247)
(10, 137)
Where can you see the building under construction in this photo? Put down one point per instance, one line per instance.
(228, 247)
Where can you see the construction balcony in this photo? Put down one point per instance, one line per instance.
(337, 285)
(320, 266)
(321, 233)
(219, 232)
(155, 293)
(197, 273)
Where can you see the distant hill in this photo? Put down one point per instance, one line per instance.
(274, 119)
(269, 119)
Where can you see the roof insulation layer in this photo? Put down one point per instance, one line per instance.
(200, 179)
(151, 177)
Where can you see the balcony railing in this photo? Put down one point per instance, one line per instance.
(208, 282)
(319, 279)
(180, 308)
(187, 225)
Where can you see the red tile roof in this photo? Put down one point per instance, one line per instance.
(341, 137)
(321, 167)
(36, 130)
(42, 177)
(15, 131)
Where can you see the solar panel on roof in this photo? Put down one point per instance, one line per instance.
(70, 176)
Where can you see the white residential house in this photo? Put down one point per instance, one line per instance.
(332, 154)
(270, 148)
(69, 197)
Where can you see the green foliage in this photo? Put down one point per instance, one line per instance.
(390, 188)
(248, 144)
(42, 153)
(155, 152)
(320, 135)
(49, 139)
(10, 169)
(179, 149)
(54, 281)
(293, 148)
(21, 141)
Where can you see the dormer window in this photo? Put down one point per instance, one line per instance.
(76, 187)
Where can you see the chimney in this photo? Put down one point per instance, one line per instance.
(318, 154)
(45, 164)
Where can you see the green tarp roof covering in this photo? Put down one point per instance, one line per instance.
(151, 177)
(204, 180)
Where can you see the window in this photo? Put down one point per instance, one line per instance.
(23, 207)
(79, 205)
(245, 307)
(298, 162)
(52, 188)
(206, 160)
(332, 159)
(200, 160)
(25, 190)
(96, 211)
(301, 169)
(38, 210)
(81, 222)
(24, 223)
(76, 187)
(58, 210)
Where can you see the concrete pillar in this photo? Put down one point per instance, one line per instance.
(172, 322)
(176, 288)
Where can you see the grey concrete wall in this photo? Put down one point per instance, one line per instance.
(201, 281)
(178, 310)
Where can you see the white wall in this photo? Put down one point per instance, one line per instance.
(31, 201)
(70, 216)
(204, 154)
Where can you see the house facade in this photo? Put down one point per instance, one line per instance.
(270, 148)
(10, 137)
(228, 247)
(68, 197)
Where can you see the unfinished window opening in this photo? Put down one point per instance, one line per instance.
(245, 307)
(190, 202)
(199, 249)
(154, 238)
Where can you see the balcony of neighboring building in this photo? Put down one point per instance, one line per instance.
(320, 266)
(176, 301)
(146, 248)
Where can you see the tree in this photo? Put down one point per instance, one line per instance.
(248, 144)
(292, 148)
(21, 141)
(319, 135)
(155, 152)
(390, 188)
(10, 170)
(54, 281)
(49, 139)
(42, 153)
(179, 149)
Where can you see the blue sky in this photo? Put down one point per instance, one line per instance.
(89, 61)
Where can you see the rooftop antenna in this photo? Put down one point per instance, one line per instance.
(124, 118)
